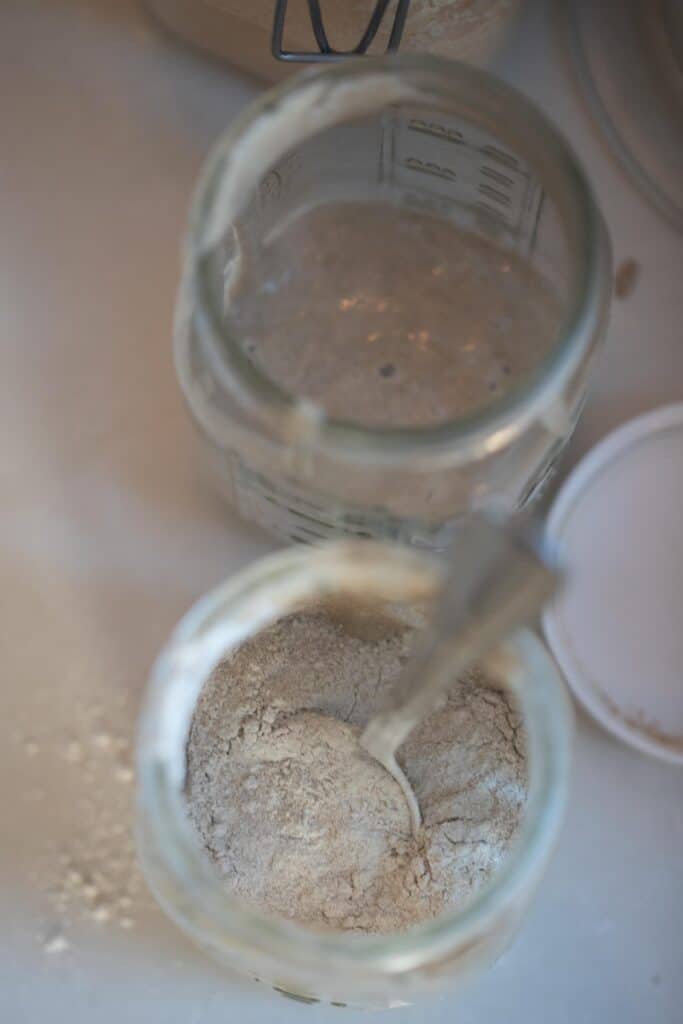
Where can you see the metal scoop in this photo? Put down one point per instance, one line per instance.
(497, 580)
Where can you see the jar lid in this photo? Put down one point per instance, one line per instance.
(617, 628)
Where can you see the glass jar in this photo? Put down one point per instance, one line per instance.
(429, 136)
(241, 30)
(364, 971)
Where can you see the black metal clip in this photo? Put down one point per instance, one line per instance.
(325, 51)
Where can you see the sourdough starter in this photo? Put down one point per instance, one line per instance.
(301, 822)
(389, 317)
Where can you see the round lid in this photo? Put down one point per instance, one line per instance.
(617, 627)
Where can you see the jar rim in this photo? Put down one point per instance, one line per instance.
(506, 112)
(218, 623)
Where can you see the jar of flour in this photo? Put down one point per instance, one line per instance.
(284, 849)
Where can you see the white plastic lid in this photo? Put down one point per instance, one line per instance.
(617, 628)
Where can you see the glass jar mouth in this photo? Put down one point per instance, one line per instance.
(219, 623)
(509, 116)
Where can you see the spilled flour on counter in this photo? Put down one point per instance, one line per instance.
(302, 823)
(87, 868)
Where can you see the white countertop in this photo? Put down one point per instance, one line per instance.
(107, 536)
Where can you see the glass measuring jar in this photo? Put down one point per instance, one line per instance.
(436, 140)
(339, 967)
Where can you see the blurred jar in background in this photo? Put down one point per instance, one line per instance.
(240, 31)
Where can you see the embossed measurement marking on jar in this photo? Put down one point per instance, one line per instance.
(427, 167)
(437, 160)
(434, 128)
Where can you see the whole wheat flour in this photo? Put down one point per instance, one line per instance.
(302, 823)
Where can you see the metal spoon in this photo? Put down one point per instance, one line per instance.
(497, 580)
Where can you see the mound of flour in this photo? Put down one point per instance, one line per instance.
(302, 823)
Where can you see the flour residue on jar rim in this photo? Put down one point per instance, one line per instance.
(299, 114)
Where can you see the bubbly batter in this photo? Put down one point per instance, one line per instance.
(391, 318)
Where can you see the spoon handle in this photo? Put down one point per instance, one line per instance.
(497, 579)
